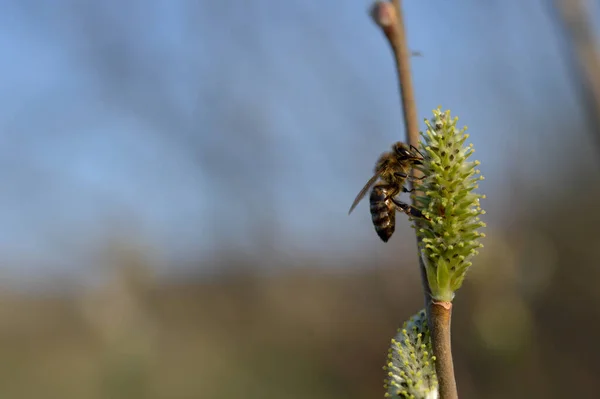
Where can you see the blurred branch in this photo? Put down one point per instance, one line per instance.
(389, 17)
(584, 57)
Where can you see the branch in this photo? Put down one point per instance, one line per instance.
(584, 57)
(390, 19)
(440, 314)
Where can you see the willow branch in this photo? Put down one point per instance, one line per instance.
(389, 17)
(440, 315)
(584, 56)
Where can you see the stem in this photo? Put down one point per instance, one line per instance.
(440, 314)
(583, 56)
(389, 17)
(402, 55)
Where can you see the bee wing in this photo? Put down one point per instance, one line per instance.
(364, 190)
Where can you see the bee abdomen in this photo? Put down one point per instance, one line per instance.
(383, 213)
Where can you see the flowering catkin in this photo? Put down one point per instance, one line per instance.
(449, 237)
(410, 366)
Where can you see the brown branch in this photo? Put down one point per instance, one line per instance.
(583, 56)
(390, 19)
(440, 315)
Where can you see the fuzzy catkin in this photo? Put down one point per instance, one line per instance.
(410, 366)
(449, 237)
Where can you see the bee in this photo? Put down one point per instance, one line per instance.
(391, 171)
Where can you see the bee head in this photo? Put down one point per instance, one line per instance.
(409, 153)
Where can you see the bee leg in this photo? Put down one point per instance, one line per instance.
(406, 190)
(405, 176)
(412, 147)
(408, 209)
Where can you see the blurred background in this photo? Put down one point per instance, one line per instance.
(176, 177)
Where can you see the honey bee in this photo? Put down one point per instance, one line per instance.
(391, 171)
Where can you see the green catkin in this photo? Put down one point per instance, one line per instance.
(449, 238)
(410, 364)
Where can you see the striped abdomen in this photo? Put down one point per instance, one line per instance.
(383, 211)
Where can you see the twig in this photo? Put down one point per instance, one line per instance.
(583, 56)
(439, 318)
(390, 19)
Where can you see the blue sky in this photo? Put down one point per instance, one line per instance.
(197, 126)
